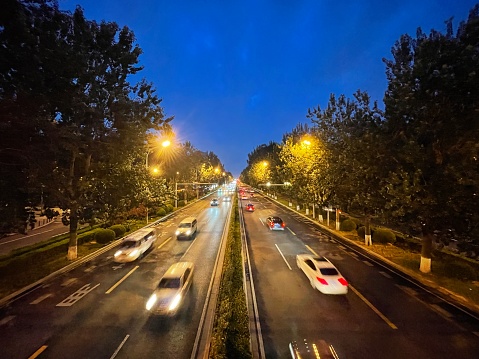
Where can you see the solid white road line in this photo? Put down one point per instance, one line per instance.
(283, 256)
(121, 280)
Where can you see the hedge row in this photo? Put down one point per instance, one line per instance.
(231, 338)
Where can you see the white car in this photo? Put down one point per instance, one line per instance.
(135, 245)
(322, 274)
(172, 290)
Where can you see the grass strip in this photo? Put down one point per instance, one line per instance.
(231, 337)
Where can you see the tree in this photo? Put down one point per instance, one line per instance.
(432, 123)
(86, 115)
(350, 131)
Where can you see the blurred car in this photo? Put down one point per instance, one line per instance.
(214, 202)
(250, 207)
(226, 199)
(275, 223)
(172, 289)
(322, 274)
(244, 196)
(134, 245)
(304, 349)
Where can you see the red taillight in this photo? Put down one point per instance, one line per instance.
(322, 281)
(343, 281)
(282, 224)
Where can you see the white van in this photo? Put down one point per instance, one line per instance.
(134, 245)
(187, 228)
(172, 289)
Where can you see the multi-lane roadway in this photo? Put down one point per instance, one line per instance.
(98, 310)
(383, 315)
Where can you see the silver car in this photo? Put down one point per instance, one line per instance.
(168, 297)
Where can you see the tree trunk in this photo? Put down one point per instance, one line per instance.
(73, 243)
(426, 251)
(367, 231)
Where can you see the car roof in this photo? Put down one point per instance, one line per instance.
(139, 234)
(177, 269)
(320, 261)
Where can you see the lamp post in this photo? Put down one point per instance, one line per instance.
(163, 144)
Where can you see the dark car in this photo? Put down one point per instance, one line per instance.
(275, 223)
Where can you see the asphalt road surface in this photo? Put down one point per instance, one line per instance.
(98, 309)
(382, 316)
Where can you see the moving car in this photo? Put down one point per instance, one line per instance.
(134, 245)
(187, 228)
(226, 199)
(322, 274)
(171, 290)
(275, 223)
(214, 202)
(250, 207)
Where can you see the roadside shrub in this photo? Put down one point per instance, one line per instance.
(347, 225)
(383, 236)
(119, 230)
(104, 236)
(169, 208)
(181, 203)
(87, 237)
(161, 212)
(460, 270)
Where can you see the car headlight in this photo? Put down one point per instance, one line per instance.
(175, 302)
(177, 232)
(133, 253)
(188, 232)
(117, 253)
(151, 302)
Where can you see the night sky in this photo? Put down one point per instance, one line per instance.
(238, 74)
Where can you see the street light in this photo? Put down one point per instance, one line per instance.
(164, 144)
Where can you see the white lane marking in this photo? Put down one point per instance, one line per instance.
(283, 256)
(342, 247)
(120, 346)
(368, 263)
(6, 319)
(30, 235)
(43, 297)
(374, 309)
(90, 269)
(384, 274)
(311, 250)
(121, 280)
(261, 221)
(75, 297)
(68, 282)
(291, 231)
(166, 241)
(354, 255)
(444, 313)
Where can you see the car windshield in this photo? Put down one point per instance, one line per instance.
(328, 271)
(130, 244)
(169, 283)
(184, 225)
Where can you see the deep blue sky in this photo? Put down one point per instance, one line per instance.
(238, 74)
